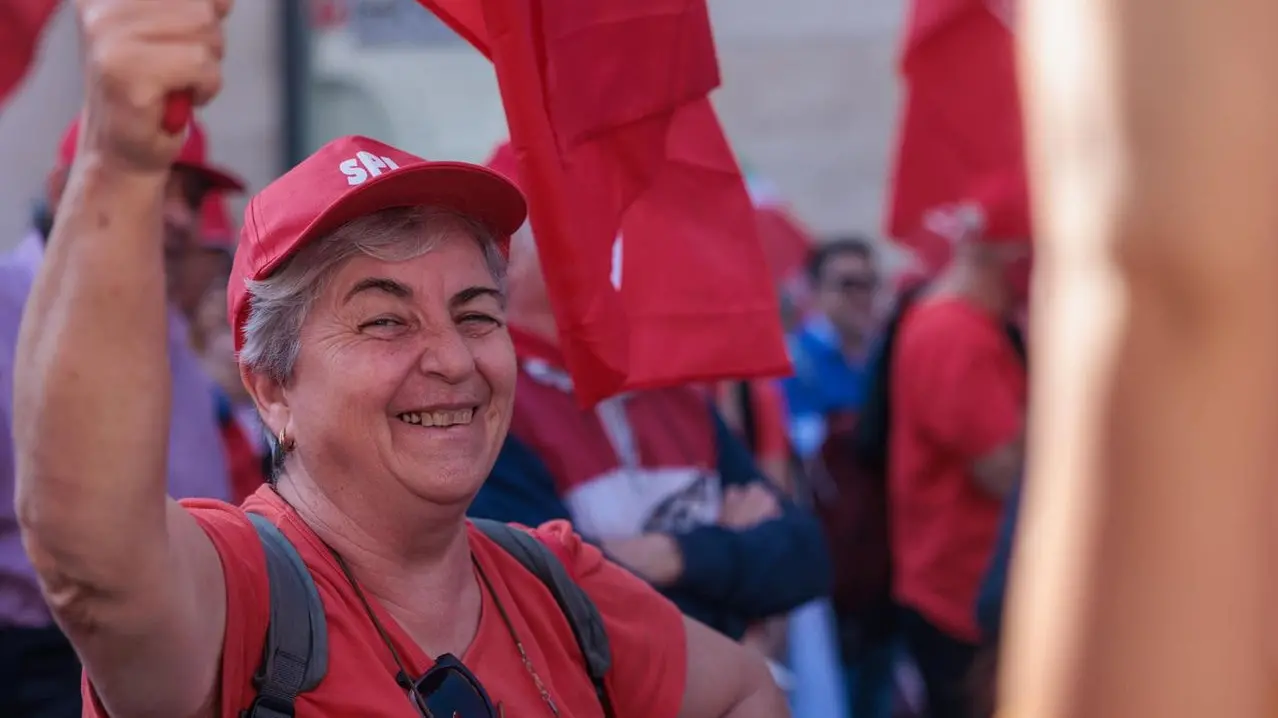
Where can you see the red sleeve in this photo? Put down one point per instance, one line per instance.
(646, 632)
(770, 426)
(247, 604)
(247, 597)
(966, 397)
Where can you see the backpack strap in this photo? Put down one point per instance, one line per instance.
(295, 657)
(749, 421)
(581, 612)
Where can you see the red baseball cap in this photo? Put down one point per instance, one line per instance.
(215, 223)
(349, 178)
(193, 156)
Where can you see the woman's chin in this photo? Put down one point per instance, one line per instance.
(444, 487)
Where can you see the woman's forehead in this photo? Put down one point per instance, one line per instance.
(441, 271)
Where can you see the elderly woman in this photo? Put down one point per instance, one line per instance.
(368, 302)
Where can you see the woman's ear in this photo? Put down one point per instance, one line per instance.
(269, 397)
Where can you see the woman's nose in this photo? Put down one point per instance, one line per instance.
(446, 354)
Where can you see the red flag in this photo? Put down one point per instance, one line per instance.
(646, 233)
(22, 23)
(787, 243)
(960, 137)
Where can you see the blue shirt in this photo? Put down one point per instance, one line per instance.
(824, 381)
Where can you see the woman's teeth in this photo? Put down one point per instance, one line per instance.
(437, 418)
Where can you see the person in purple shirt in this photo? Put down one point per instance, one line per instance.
(39, 672)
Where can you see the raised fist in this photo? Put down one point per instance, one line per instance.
(137, 53)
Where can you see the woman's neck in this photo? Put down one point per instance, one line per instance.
(418, 567)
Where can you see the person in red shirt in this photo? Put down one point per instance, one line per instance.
(957, 397)
(368, 310)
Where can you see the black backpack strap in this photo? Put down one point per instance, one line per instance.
(295, 657)
(581, 612)
(749, 422)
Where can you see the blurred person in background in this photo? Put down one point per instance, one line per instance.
(755, 411)
(207, 270)
(831, 348)
(957, 385)
(655, 477)
(832, 352)
(206, 262)
(38, 667)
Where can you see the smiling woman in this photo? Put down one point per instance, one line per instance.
(367, 303)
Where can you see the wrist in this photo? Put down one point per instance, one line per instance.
(93, 171)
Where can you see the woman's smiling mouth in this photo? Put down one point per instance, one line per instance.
(439, 418)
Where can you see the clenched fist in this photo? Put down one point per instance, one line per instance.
(137, 53)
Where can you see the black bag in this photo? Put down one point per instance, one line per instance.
(295, 658)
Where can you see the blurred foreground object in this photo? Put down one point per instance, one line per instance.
(1139, 586)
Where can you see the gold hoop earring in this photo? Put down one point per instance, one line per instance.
(286, 442)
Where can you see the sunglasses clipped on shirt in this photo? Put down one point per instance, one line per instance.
(450, 690)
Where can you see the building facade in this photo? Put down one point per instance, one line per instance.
(809, 96)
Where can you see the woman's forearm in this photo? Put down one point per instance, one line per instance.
(92, 384)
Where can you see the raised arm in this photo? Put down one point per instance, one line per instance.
(129, 576)
(1139, 586)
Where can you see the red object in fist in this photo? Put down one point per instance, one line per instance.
(177, 112)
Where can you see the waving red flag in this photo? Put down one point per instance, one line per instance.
(22, 23)
(960, 137)
(646, 232)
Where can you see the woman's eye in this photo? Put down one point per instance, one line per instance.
(381, 322)
(480, 320)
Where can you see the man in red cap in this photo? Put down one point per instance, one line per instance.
(208, 262)
(37, 664)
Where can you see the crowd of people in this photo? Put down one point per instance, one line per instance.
(390, 368)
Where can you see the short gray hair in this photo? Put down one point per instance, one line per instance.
(278, 304)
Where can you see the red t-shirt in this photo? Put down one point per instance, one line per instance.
(958, 392)
(649, 655)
